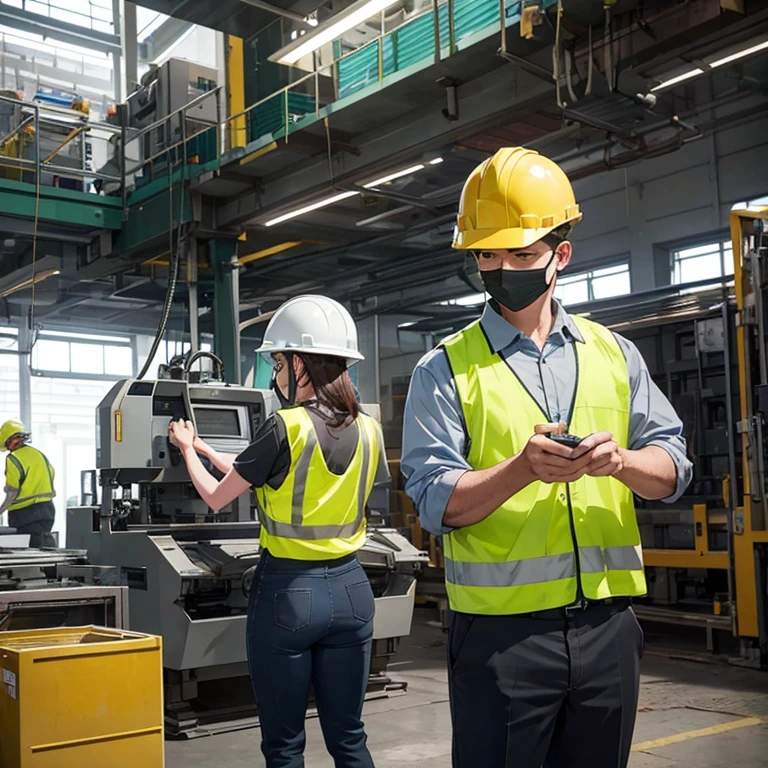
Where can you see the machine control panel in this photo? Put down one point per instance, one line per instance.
(133, 420)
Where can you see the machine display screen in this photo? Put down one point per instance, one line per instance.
(217, 422)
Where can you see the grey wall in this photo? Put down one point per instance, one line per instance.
(642, 211)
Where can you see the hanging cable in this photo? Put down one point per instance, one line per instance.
(569, 74)
(556, 56)
(38, 184)
(175, 256)
(590, 66)
(610, 74)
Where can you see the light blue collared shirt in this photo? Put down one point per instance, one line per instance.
(433, 456)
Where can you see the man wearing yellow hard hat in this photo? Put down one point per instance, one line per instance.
(526, 435)
(29, 489)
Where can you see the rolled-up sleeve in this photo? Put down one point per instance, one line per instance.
(433, 440)
(653, 420)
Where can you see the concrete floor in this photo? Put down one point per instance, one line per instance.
(702, 715)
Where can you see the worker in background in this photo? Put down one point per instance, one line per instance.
(542, 547)
(313, 465)
(29, 489)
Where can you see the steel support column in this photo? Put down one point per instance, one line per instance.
(236, 135)
(130, 40)
(226, 306)
(25, 377)
(194, 331)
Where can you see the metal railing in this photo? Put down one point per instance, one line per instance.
(38, 123)
(445, 39)
(172, 138)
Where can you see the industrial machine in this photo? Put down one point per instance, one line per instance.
(62, 131)
(55, 588)
(189, 569)
(166, 116)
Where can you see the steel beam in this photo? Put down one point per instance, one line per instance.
(485, 102)
(165, 36)
(37, 24)
(18, 199)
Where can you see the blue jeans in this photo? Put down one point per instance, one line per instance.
(310, 623)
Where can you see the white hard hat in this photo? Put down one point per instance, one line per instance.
(314, 325)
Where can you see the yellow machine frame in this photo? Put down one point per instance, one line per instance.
(749, 519)
(749, 529)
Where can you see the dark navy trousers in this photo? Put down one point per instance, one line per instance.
(310, 624)
(538, 690)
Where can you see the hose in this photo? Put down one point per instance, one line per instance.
(210, 355)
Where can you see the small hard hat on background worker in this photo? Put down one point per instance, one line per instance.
(29, 491)
(313, 465)
(542, 547)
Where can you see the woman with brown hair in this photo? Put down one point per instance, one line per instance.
(313, 465)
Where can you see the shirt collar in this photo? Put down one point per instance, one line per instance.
(502, 334)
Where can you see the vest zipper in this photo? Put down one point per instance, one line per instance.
(576, 558)
(579, 589)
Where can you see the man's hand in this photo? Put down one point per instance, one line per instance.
(606, 457)
(552, 462)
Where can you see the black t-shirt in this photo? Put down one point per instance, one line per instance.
(267, 460)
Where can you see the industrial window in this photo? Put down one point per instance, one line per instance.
(63, 428)
(758, 202)
(92, 14)
(594, 284)
(83, 354)
(9, 372)
(702, 262)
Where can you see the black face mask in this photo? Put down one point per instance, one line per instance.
(285, 402)
(516, 289)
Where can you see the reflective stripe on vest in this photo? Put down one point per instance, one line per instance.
(296, 529)
(522, 557)
(316, 514)
(540, 569)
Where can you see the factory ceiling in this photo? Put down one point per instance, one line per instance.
(386, 248)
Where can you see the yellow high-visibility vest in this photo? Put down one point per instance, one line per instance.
(316, 514)
(531, 553)
(29, 470)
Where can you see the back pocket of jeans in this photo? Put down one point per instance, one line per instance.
(293, 609)
(361, 600)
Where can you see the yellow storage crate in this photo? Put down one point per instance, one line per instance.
(81, 697)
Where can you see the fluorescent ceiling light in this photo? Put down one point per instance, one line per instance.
(678, 79)
(330, 30)
(740, 54)
(713, 64)
(309, 208)
(344, 195)
(393, 176)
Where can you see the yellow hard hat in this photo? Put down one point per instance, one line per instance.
(512, 200)
(11, 429)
